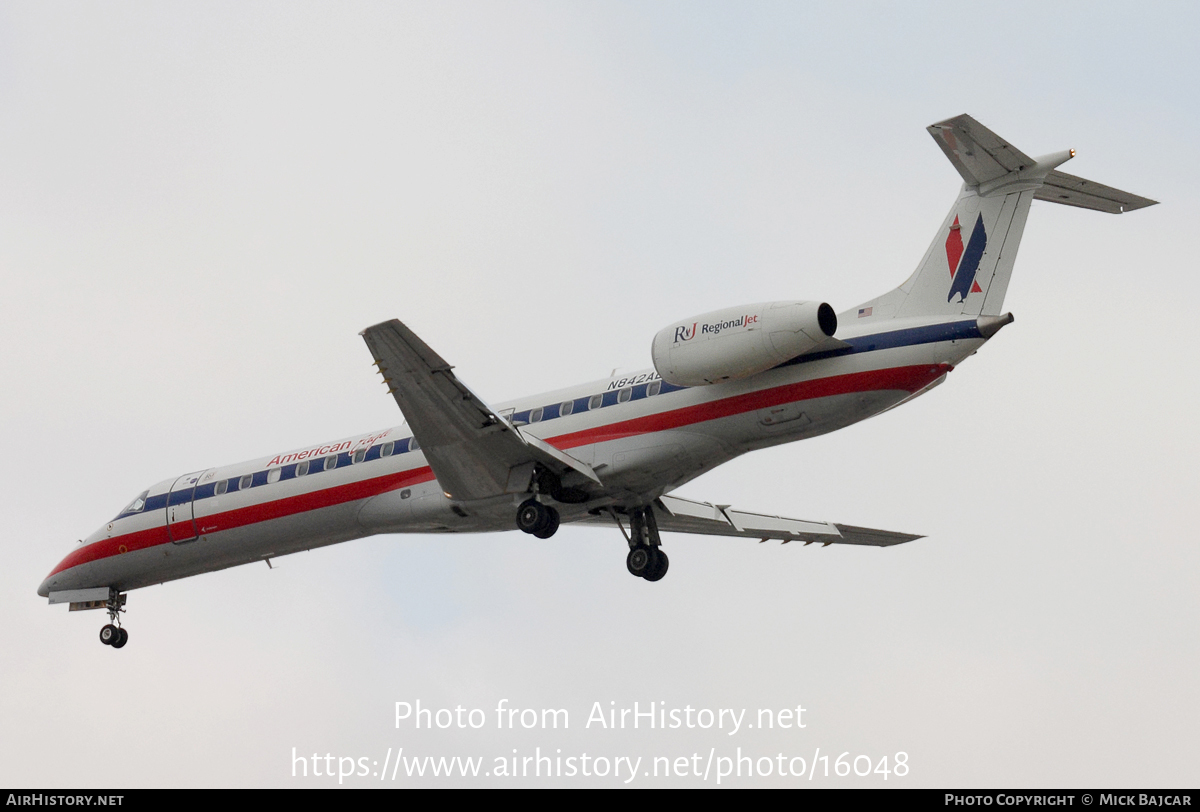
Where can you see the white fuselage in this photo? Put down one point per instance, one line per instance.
(641, 436)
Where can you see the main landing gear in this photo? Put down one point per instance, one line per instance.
(646, 558)
(112, 634)
(537, 519)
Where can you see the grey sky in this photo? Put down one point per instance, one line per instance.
(201, 205)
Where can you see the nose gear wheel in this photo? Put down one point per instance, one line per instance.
(112, 634)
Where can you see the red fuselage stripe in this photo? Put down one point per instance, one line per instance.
(906, 379)
(251, 514)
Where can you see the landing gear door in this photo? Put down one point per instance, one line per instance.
(181, 519)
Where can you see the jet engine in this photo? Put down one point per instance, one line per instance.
(737, 342)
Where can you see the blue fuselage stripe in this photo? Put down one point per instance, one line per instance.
(909, 337)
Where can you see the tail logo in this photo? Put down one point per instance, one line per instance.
(964, 264)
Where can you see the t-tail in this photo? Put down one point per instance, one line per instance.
(966, 270)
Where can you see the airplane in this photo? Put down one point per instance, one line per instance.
(609, 452)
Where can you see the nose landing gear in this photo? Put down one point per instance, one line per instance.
(112, 634)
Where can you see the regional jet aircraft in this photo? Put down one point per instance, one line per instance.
(608, 452)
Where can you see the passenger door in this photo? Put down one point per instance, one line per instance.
(181, 520)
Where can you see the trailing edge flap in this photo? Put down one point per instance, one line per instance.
(474, 453)
(557, 459)
(676, 515)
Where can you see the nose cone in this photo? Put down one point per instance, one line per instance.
(53, 580)
(63, 576)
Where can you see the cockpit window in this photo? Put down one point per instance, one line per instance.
(137, 504)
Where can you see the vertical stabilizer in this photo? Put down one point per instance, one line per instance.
(967, 267)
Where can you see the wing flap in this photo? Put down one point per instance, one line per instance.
(556, 459)
(677, 515)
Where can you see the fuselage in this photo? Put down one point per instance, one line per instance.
(642, 436)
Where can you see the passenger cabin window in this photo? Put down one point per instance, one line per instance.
(595, 401)
(625, 394)
(273, 475)
(387, 449)
(245, 482)
(137, 504)
(221, 487)
(302, 468)
(331, 462)
(360, 455)
(535, 416)
(566, 408)
(653, 389)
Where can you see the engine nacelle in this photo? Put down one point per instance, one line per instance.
(737, 342)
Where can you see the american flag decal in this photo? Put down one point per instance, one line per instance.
(863, 312)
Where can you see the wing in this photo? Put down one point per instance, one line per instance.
(676, 515)
(474, 452)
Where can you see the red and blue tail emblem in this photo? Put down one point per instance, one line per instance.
(963, 265)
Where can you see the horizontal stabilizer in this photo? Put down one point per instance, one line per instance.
(1059, 187)
(977, 153)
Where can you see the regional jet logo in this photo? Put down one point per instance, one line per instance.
(715, 328)
(964, 264)
(684, 333)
